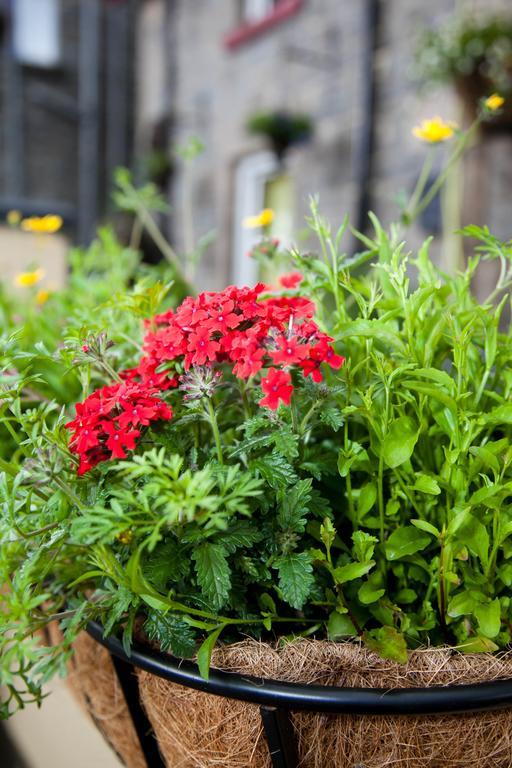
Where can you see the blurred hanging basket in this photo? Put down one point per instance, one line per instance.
(281, 129)
(195, 728)
(472, 90)
(474, 54)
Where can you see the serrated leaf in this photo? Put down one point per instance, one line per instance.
(171, 633)
(294, 506)
(167, 563)
(213, 573)
(238, 535)
(286, 442)
(275, 470)
(295, 578)
(405, 541)
(332, 417)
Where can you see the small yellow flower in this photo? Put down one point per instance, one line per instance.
(47, 225)
(13, 218)
(494, 102)
(263, 219)
(28, 279)
(434, 131)
(42, 296)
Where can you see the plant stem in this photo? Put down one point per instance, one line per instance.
(215, 430)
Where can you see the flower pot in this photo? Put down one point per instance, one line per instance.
(387, 713)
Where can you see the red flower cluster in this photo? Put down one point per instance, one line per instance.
(234, 326)
(107, 421)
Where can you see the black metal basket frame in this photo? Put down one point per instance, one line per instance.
(277, 699)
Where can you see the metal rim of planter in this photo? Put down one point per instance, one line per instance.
(276, 699)
(450, 699)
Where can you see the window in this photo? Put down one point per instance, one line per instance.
(258, 16)
(260, 184)
(36, 32)
(253, 11)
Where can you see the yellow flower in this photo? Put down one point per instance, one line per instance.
(47, 225)
(13, 218)
(28, 279)
(42, 296)
(494, 102)
(435, 130)
(263, 219)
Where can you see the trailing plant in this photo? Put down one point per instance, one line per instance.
(331, 458)
(282, 129)
(472, 51)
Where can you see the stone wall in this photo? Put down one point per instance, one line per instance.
(313, 62)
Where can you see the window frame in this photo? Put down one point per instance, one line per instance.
(248, 30)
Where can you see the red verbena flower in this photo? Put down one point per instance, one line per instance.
(291, 280)
(276, 386)
(289, 351)
(119, 439)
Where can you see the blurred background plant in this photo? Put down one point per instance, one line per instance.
(473, 53)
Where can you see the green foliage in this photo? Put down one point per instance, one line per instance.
(469, 46)
(377, 505)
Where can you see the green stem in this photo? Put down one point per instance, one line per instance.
(438, 183)
(420, 186)
(212, 418)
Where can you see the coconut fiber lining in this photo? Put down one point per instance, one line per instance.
(94, 683)
(198, 730)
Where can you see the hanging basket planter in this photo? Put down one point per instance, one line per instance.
(314, 704)
(281, 129)
(471, 90)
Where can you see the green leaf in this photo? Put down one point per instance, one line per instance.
(213, 573)
(351, 571)
(275, 470)
(327, 534)
(399, 441)
(500, 415)
(294, 506)
(241, 534)
(171, 633)
(366, 500)
(204, 654)
(426, 484)
(405, 541)
(286, 442)
(388, 642)
(466, 529)
(372, 329)
(477, 644)
(332, 417)
(464, 603)
(340, 626)
(295, 578)
(368, 593)
(364, 545)
(488, 616)
(427, 527)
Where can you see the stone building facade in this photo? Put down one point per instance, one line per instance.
(316, 57)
